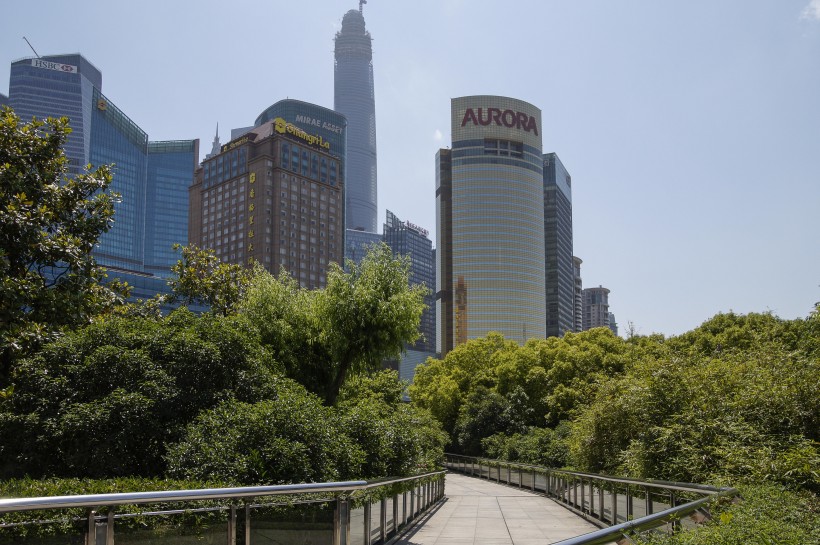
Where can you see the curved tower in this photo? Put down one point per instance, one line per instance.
(490, 217)
(354, 98)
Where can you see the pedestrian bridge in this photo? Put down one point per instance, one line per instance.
(477, 501)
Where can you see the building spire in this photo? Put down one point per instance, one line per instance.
(215, 148)
(361, 2)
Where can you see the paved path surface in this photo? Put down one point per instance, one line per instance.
(483, 513)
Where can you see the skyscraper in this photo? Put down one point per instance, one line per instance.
(354, 98)
(560, 274)
(408, 239)
(578, 310)
(151, 177)
(274, 196)
(596, 307)
(490, 223)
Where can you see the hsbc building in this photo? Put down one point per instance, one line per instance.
(490, 223)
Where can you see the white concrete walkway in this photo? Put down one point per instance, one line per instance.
(484, 513)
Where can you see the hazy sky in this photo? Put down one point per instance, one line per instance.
(691, 129)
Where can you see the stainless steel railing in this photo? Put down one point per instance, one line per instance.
(616, 504)
(337, 513)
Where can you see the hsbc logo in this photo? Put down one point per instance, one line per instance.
(50, 65)
(506, 118)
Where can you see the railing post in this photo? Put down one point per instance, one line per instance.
(383, 520)
(367, 515)
(337, 523)
(629, 511)
(673, 502)
(614, 504)
(574, 492)
(231, 526)
(396, 514)
(109, 528)
(648, 500)
(412, 503)
(248, 524)
(91, 536)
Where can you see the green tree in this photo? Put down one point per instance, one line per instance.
(49, 224)
(105, 400)
(361, 318)
(201, 278)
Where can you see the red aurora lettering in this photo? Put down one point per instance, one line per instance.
(507, 118)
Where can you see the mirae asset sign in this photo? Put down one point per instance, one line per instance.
(507, 118)
(49, 65)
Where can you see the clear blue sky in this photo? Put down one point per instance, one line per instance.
(691, 129)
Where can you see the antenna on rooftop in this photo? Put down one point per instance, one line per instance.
(361, 2)
(38, 55)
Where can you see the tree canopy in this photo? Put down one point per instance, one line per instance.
(49, 224)
(361, 318)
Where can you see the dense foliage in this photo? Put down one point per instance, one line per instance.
(48, 225)
(103, 401)
(489, 386)
(738, 397)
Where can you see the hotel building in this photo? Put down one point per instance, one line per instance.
(275, 196)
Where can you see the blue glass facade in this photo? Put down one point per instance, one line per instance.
(354, 98)
(357, 244)
(152, 178)
(170, 168)
(560, 274)
(117, 140)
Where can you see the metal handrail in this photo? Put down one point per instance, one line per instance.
(666, 485)
(133, 498)
(615, 531)
(648, 522)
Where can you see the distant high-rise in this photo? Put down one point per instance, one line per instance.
(613, 325)
(4, 100)
(560, 275)
(490, 223)
(578, 310)
(596, 307)
(357, 244)
(354, 98)
(407, 239)
(151, 177)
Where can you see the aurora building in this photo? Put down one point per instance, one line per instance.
(274, 196)
(490, 256)
(354, 98)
